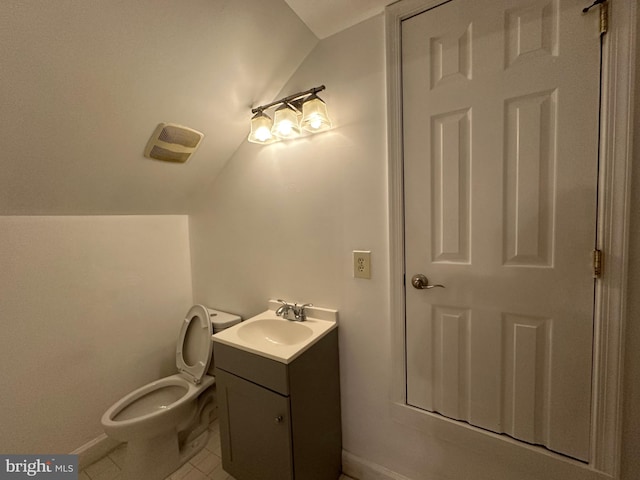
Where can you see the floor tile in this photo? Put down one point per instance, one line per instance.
(118, 454)
(181, 472)
(219, 474)
(103, 469)
(205, 465)
(195, 474)
(201, 455)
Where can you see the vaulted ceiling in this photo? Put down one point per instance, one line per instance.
(326, 17)
(84, 84)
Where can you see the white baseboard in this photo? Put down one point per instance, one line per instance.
(361, 469)
(94, 450)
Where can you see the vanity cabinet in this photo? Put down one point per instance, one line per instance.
(280, 421)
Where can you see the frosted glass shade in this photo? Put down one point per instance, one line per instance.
(314, 115)
(285, 123)
(261, 129)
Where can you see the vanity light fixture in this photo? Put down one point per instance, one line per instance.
(261, 124)
(303, 110)
(285, 122)
(314, 115)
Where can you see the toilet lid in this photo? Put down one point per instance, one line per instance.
(194, 348)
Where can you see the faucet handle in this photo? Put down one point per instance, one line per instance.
(299, 312)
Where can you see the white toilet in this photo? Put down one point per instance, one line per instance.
(165, 422)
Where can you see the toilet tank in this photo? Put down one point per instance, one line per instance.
(219, 321)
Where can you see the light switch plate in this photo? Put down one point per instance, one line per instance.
(362, 263)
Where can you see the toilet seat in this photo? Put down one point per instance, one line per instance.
(194, 347)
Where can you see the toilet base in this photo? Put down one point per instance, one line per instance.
(152, 458)
(158, 457)
(191, 448)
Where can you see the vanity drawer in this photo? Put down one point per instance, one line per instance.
(261, 370)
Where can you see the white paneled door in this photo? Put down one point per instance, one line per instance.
(500, 125)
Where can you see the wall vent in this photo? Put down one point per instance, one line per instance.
(172, 143)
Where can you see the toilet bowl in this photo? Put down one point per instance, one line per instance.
(165, 422)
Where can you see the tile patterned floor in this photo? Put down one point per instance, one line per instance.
(206, 465)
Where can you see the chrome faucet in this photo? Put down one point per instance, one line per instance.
(283, 310)
(299, 312)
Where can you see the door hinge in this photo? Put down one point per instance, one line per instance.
(604, 14)
(597, 263)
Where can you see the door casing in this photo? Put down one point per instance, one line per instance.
(619, 57)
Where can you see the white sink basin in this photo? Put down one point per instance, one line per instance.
(274, 331)
(273, 337)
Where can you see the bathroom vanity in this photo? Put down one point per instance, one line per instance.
(279, 417)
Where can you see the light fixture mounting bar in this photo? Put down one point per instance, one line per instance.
(289, 99)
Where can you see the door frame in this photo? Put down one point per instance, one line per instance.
(619, 57)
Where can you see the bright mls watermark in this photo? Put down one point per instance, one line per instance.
(41, 467)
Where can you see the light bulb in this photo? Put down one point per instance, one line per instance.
(285, 124)
(263, 134)
(261, 129)
(315, 122)
(284, 128)
(314, 115)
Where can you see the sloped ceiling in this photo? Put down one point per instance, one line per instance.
(83, 84)
(326, 17)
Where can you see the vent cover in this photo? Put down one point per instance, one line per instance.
(172, 143)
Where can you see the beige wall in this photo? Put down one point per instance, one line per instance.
(79, 295)
(90, 308)
(281, 222)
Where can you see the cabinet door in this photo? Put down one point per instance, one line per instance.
(255, 430)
